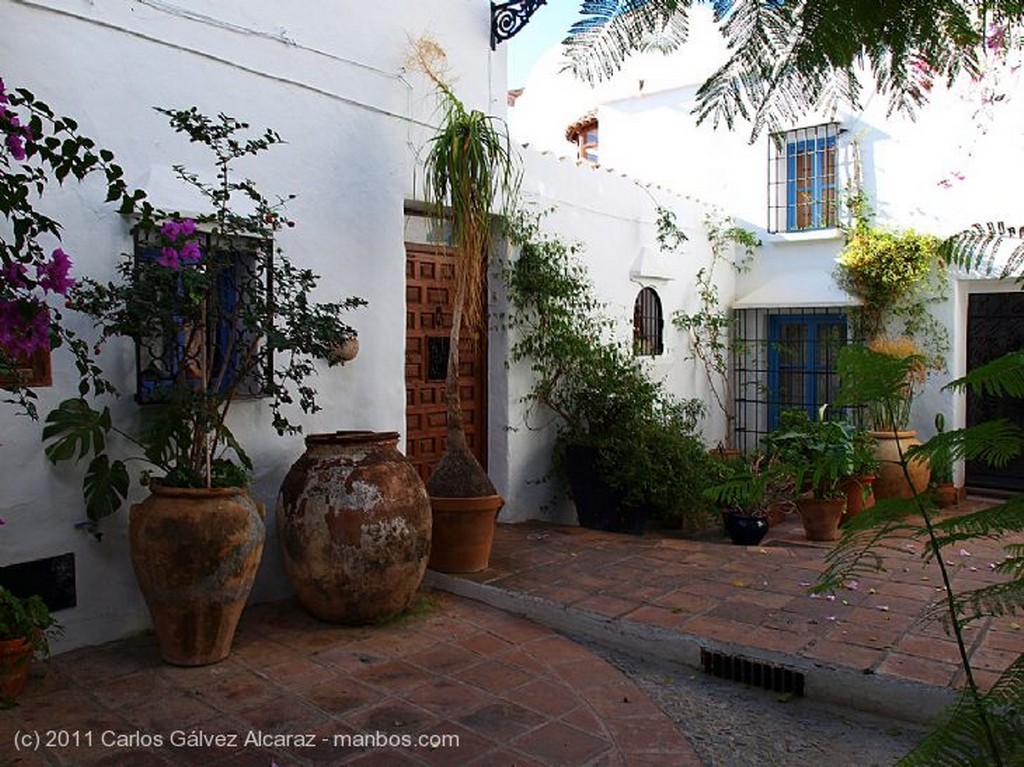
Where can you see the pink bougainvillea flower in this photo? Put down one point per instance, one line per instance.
(169, 257)
(187, 227)
(53, 277)
(171, 230)
(24, 327)
(14, 273)
(16, 146)
(190, 252)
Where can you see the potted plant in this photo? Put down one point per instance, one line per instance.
(903, 369)
(624, 447)
(26, 626)
(751, 488)
(470, 172)
(819, 455)
(859, 486)
(217, 315)
(941, 460)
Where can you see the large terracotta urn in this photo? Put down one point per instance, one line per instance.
(891, 482)
(195, 553)
(353, 519)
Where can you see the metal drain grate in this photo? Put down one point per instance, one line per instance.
(752, 673)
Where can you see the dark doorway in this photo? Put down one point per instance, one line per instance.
(995, 327)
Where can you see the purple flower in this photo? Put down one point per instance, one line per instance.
(190, 253)
(16, 146)
(53, 277)
(168, 257)
(24, 327)
(171, 230)
(187, 227)
(15, 273)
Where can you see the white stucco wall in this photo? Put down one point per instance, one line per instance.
(939, 172)
(613, 218)
(330, 80)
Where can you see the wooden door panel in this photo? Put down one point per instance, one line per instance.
(429, 277)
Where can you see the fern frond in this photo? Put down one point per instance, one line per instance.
(610, 30)
(867, 538)
(1003, 376)
(995, 443)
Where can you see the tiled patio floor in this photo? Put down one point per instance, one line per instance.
(755, 598)
(514, 692)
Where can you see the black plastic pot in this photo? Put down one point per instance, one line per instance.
(598, 506)
(745, 530)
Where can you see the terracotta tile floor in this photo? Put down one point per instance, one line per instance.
(513, 692)
(757, 597)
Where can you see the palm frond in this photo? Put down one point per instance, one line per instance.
(990, 522)
(995, 443)
(867, 376)
(1002, 377)
(978, 731)
(975, 248)
(610, 30)
(867, 540)
(760, 35)
(990, 601)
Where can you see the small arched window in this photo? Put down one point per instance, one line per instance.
(648, 324)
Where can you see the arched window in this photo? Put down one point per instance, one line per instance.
(648, 324)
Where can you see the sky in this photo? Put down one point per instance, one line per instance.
(547, 27)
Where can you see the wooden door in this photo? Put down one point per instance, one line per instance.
(429, 281)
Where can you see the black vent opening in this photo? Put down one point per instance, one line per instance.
(752, 673)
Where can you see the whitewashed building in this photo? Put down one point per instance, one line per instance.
(332, 81)
(939, 173)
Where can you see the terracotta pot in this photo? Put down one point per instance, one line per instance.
(860, 495)
(353, 521)
(946, 495)
(195, 553)
(890, 482)
(821, 517)
(463, 533)
(15, 661)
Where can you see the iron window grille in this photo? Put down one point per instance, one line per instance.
(648, 324)
(784, 359)
(218, 346)
(803, 178)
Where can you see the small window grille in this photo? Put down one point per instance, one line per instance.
(648, 324)
(803, 167)
(210, 345)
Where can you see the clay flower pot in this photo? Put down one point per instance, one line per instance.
(890, 482)
(195, 552)
(821, 516)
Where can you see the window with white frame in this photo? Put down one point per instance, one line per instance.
(803, 178)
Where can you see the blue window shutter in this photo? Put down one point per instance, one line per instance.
(791, 187)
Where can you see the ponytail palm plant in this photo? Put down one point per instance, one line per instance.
(982, 728)
(471, 178)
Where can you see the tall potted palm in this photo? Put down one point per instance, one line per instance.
(217, 315)
(471, 177)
